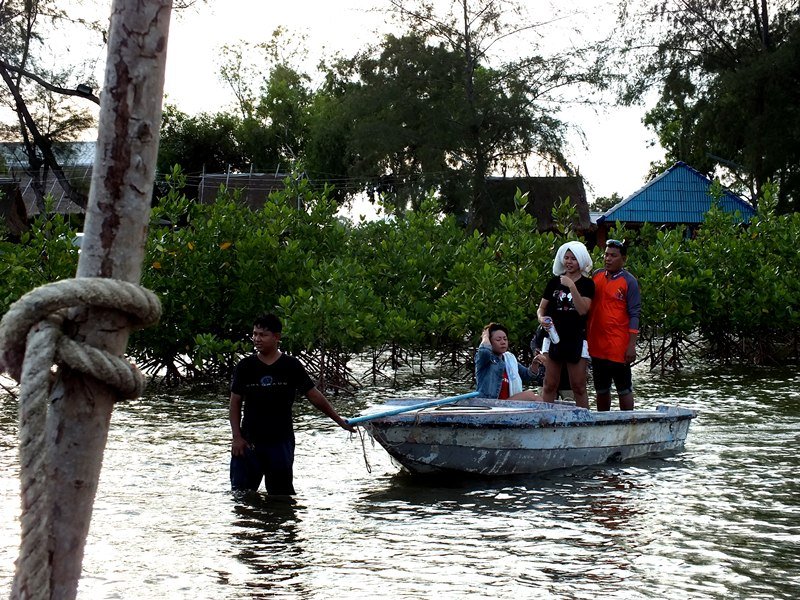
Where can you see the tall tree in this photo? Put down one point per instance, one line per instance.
(39, 92)
(48, 51)
(448, 102)
(728, 75)
(204, 142)
(273, 97)
(267, 133)
(389, 122)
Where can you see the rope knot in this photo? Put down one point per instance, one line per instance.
(31, 341)
(31, 337)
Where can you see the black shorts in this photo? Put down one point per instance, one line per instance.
(270, 462)
(605, 371)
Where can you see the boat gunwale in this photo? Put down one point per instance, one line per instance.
(518, 417)
(393, 421)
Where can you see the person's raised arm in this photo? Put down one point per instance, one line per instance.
(582, 305)
(485, 337)
(483, 356)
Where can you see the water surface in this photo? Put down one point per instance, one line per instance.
(719, 520)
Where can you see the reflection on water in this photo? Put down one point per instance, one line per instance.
(719, 520)
(266, 539)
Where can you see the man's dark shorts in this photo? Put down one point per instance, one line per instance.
(272, 462)
(605, 371)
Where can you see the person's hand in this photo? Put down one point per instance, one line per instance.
(630, 354)
(238, 446)
(567, 282)
(485, 337)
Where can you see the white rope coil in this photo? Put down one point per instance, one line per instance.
(31, 341)
(141, 305)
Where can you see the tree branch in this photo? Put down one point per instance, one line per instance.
(49, 86)
(41, 142)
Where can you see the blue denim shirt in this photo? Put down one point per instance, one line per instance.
(489, 369)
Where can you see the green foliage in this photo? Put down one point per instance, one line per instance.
(46, 252)
(750, 302)
(337, 312)
(189, 262)
(730, 290)
(420, 282)
(498, 278)
(408, 263)
(203, 142)
(671, 283)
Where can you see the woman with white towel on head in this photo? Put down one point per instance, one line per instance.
(563, 312)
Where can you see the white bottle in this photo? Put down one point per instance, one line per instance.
(552, 333)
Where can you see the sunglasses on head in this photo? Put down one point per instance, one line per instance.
(615, 244)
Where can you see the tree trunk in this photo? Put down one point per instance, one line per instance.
(114, 240)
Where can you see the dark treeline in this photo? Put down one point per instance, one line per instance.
(396, 290)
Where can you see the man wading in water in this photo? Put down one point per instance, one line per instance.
(263, 390)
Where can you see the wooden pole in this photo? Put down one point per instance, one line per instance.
(113, 245)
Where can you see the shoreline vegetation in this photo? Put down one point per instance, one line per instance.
(407, 292)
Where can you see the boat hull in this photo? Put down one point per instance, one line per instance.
(487, 437)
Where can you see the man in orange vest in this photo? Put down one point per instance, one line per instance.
(614, 327)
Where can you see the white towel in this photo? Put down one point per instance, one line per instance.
(581, 254)
(512, 370)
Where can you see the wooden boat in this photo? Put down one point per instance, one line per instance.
(501, 437)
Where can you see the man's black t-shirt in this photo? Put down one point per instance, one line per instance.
(268, 393)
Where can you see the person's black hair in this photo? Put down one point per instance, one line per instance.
(621, 246)
(497, 327)
(269, 322)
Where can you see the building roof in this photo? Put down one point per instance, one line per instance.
(257, 186)
(51, 186)
(68, 154)
(76, 160)
(678, 195)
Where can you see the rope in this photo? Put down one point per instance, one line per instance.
(364, 449)
(31, 342)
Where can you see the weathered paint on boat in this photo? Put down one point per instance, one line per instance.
(491, 437)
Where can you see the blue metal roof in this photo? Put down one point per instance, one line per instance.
(678, 195)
